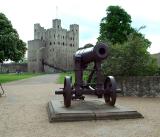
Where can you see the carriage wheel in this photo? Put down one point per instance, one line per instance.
(67, 91)
(110, 89)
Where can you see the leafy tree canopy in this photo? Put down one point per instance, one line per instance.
(131, 58)
(11, 46)
(115, 26)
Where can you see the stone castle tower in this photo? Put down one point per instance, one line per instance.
(52, 48)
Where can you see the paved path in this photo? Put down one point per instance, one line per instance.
(23, 114)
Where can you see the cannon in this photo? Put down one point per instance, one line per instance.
(103, 87)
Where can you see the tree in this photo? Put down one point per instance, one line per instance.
(115, 26)
(131, 58)
(11, 46)
(128, 47)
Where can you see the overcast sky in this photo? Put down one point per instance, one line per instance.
(87, 13)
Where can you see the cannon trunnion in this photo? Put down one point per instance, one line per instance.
(102, 88)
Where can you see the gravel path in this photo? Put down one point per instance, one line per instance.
(23, 114)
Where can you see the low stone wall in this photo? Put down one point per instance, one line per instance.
(13, 67)
(145, 86)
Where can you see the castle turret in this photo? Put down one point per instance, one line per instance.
(74, 28)
(56, 23)
(39, 32)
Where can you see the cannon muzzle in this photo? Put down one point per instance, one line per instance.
(95, 53)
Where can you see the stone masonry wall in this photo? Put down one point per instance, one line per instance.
(145, 86)
(13, 67)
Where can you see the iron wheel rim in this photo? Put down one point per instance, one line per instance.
(110, 89)
(67, 91)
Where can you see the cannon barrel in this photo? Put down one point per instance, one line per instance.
(95, 53)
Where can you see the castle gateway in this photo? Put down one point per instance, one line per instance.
(52, 48)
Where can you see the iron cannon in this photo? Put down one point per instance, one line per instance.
(103, 87)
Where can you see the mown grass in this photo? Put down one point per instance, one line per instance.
(13, 76)
(60, 80)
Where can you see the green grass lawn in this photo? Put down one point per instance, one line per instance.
(12, 77)
(60, 80)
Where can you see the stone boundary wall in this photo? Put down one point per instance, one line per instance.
(13, 67)
(142, 86)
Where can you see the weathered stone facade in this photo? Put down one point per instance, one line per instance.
(53, 47)
(142, 86)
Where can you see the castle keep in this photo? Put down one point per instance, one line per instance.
(52, 48)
